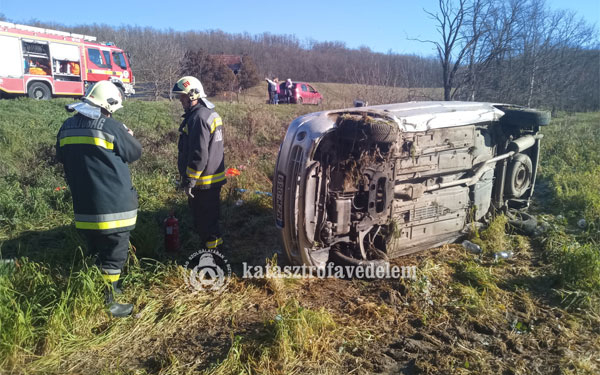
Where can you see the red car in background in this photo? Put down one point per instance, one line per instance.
(302, 93)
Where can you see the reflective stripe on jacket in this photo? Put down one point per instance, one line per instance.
(200, 160)
(95, 154)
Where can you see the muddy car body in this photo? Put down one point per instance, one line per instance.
(383, 181)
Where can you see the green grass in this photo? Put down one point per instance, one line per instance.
(571, 164)
(493, 238)
(51, 305)
(293, 341)
(341, 95)
(571, 167)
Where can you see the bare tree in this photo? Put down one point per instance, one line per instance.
(159, 59)
(455, 43)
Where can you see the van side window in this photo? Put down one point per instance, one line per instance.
(304, 88)
(97, 58)
(119, 59)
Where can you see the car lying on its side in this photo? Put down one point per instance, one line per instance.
(379, 182)
(302, 93)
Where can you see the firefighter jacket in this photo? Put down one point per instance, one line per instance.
(200, 160)
(95, 153)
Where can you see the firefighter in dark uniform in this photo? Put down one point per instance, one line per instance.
(200, 160)
(95, 149)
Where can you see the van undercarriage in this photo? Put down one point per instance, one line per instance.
(371, 191)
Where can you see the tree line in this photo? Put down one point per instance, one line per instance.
(519, 51)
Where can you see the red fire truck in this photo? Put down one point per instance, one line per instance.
(43, 63)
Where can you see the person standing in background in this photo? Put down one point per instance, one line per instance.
(272, 89)
(276, 94)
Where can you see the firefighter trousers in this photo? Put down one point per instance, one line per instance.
(112, 249)
(205, 207)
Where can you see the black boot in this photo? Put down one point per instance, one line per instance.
(117, 310)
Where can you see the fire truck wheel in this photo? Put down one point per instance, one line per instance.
(39, 91)
(122, 92)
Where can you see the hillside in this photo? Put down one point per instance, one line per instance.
(339, 95)
(537, 312)
(335, 95)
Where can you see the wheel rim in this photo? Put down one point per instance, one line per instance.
(521, 178)
(38, 94)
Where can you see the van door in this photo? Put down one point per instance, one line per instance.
(313, 94)
(305, 95)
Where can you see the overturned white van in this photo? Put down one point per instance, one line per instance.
(379, 182)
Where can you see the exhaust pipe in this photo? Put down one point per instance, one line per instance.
(523, 143)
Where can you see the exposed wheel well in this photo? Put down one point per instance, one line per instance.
(32, 82)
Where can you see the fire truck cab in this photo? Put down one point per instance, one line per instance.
(42, 63)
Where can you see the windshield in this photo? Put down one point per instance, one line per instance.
(119, 59)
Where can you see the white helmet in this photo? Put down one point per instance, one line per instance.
(105, 94)
(191, 86)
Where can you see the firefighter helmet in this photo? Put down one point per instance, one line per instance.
(105, 94)
(191, 86)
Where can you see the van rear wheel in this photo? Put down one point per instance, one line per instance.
(519, 176)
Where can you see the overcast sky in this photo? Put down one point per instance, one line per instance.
(380, 25)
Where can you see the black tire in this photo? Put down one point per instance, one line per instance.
(122, 92)
(39, 91)
(518, 176)
(383, 132)
(380, 132)
(524, 117)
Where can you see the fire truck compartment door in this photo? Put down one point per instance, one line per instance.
(11, 62)
(64, 52)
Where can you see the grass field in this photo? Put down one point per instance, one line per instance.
(537, 312)
(341, 95)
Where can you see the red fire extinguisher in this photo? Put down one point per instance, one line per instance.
(171, 233)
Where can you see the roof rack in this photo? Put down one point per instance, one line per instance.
(46, 31)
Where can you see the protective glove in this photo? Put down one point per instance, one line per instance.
(188, 192)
